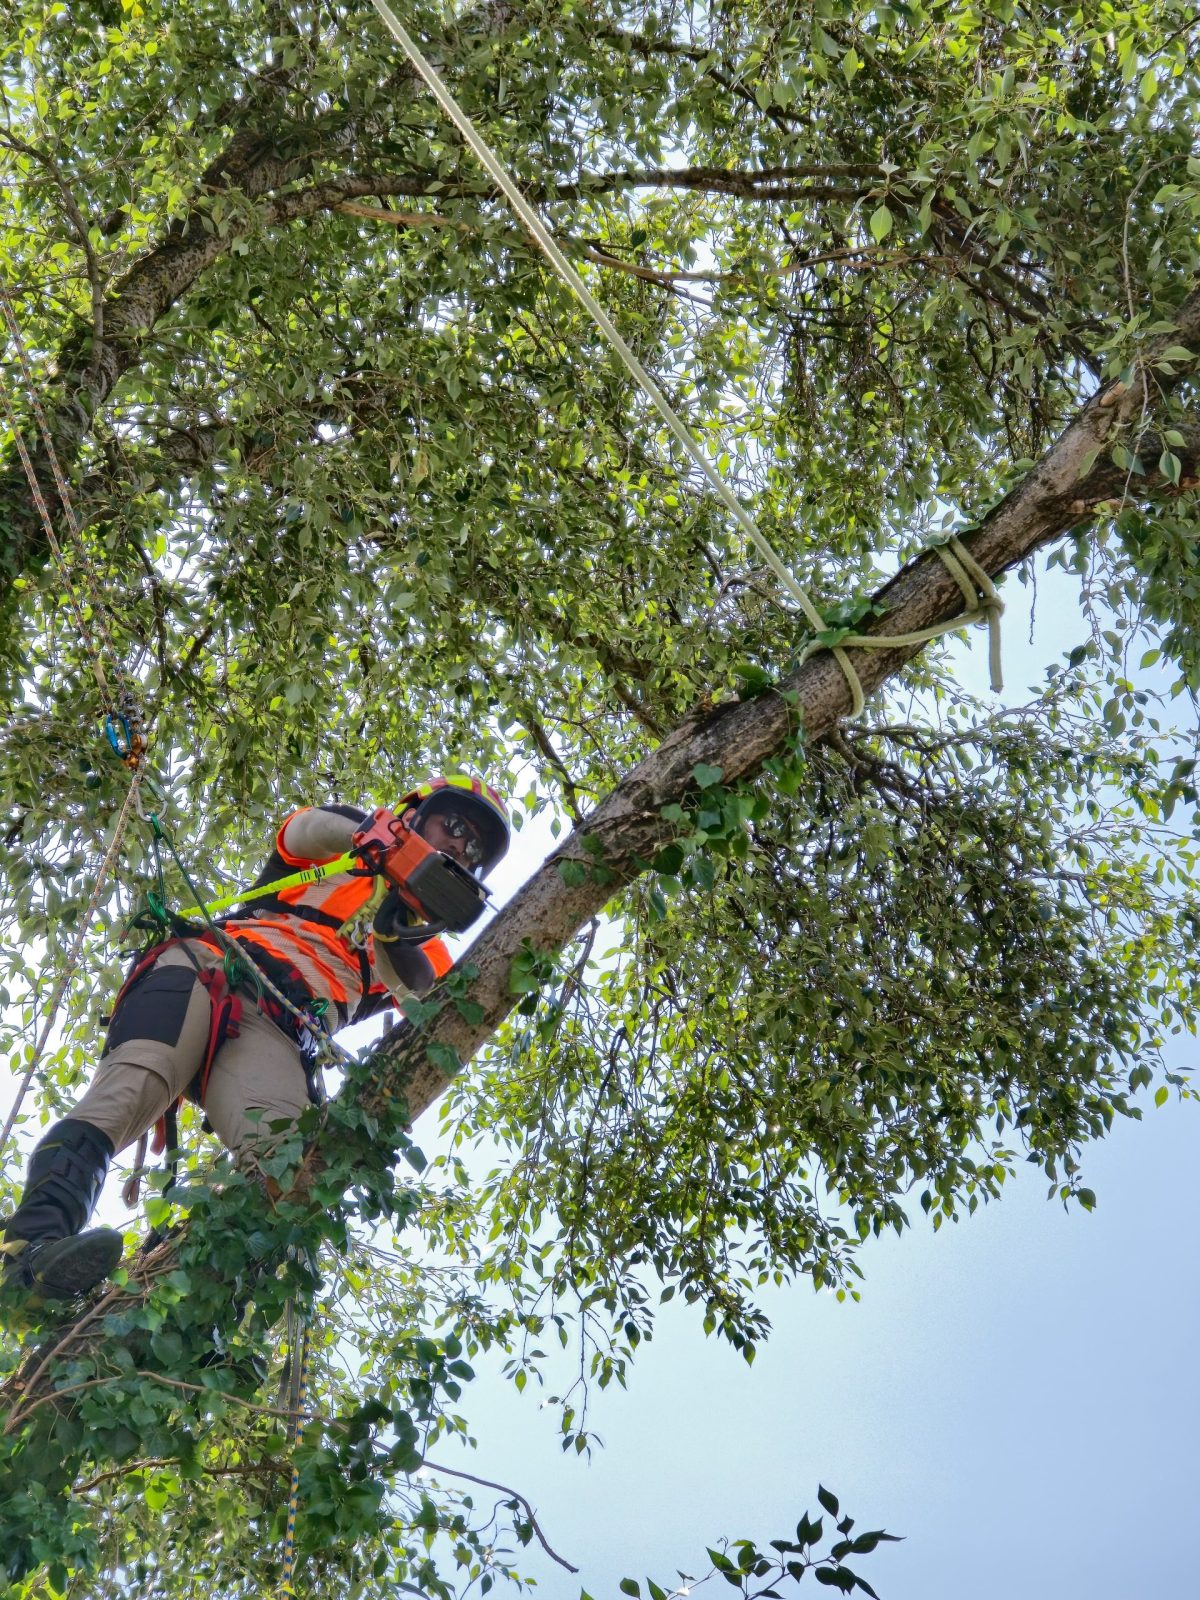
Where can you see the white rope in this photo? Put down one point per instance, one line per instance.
(73, 955)
(496, 170)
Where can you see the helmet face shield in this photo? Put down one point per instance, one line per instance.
(468, 810)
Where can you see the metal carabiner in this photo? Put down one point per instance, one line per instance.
(120, 738)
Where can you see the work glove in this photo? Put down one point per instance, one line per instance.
(394, 922)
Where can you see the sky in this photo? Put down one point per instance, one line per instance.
(1016, 1395)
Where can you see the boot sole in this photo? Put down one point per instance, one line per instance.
(78, 1264)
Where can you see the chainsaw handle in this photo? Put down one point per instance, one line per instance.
(436, 887)
(389, 846)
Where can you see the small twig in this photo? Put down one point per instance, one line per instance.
(83, 236)
(248, 1469)
(22, 1414)
(544, 743)
(502, 1488)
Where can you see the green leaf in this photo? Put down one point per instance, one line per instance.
(835, 1578)
(880, 223)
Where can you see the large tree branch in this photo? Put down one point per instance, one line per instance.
(740, 736)
(628, 827)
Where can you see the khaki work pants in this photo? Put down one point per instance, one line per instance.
(156, 1044)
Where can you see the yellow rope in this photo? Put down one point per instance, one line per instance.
(289, 1539)
(984, 605)
(978, 610)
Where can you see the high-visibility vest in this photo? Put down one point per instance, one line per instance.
(302, 927)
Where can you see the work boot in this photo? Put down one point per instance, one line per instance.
(44, 1249)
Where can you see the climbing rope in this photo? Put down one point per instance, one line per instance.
(299, 1397)
(982, 601)
(123, 729)
(73, 955)
(122, 720)
(120, 703)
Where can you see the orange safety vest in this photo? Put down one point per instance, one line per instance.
(301, 927)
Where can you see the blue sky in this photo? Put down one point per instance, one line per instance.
(1017, 1395)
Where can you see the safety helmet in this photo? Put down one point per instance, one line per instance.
(460, 794)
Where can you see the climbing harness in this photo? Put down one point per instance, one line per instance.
(983, 603)
(239, 965)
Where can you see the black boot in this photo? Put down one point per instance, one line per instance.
(43, 1247)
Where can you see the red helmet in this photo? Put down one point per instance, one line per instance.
(460, 794)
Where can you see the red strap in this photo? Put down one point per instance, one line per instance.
(224, 1022)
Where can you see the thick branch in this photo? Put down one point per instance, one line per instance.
(740, 736)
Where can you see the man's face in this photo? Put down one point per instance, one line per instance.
(455, 836)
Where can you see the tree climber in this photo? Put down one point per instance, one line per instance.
(341, 949)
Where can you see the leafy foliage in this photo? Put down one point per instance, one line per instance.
(365, 496)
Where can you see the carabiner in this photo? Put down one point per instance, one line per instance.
(119, 737)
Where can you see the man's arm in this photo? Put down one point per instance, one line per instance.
(400, 962)
(319, 833)
(404, 968)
